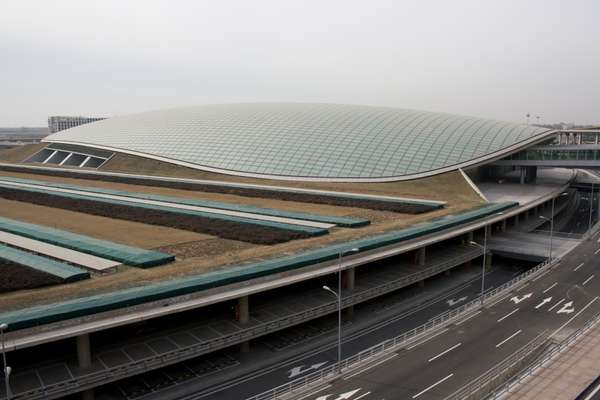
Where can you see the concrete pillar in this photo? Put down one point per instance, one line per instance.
(517, 220)
(420, 256)
(488, 261)
(84, 352)
(243, 314)
(522, 178)
(470, 237)
(84, 359)
(489, 231)
(503, 226)
(348, 281)
(243, 317)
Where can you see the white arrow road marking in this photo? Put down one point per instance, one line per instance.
(577, 267)
(432, 386)
(508, 338)
(518, 299)
(566, 308)
(587, 280)
(444, 352)
(294, 372)
(452, 302)
(551, 286)
(343, 396)
(556, 305)
(546, 300)
(508, 315)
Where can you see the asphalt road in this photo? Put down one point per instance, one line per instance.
(248, 385)
(558, 302)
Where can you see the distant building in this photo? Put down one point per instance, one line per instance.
(60, 123)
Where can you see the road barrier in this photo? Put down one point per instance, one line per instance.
(477, 388)
(591, 323)
(377, 352)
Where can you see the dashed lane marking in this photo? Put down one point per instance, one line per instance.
(551, 286)
(444, 352)
(508, 315)
(432, 386)
(577, 267)
(556, 305)
(587, 280)
(508, 338)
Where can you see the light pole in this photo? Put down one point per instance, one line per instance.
(484, 247)
(551, 220)
(338, 296)
(6, 369)
(591, 204)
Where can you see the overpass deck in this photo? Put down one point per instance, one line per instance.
(127, 357)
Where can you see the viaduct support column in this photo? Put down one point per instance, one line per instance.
(503, 226)
(243, 316)
(84, 358)
(349, 279)
(522, 178)
(420, 260)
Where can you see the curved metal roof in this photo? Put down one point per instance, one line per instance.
(310, 141)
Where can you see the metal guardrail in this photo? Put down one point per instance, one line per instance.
(497, 370)
(376, 352)
(590, 323)
(90, 380)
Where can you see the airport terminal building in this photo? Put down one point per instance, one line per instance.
(160, 250)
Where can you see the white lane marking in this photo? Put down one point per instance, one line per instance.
(551, 286)
(508, 315)
(546, 300)
(575, 316)
(597, 251)
(508, 338)
(362, 395)
(468, 318)
(370, 366)
(444, 352)
(517, 299)
(426, 340)
(556, 305)
(577, 267)
(432, 386)
(315, 392)
(593, 393)
(587, 280)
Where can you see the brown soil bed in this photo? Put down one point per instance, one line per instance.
(224, 229)
(16, 277)
(395, 206)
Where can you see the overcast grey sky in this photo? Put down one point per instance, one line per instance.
(497, 59)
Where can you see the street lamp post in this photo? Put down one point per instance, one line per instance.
(485, 229)
(6, 368)
(551, 220)
(591, 199)
(338, 296)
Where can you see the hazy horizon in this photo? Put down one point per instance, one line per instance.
(499, 60)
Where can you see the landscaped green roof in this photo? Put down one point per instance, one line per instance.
(310, 141)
